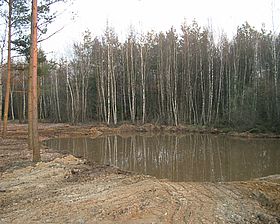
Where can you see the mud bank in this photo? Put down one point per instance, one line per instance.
(65, 189)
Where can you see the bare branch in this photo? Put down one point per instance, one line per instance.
(51, 35)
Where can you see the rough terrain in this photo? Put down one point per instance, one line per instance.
(65, 189)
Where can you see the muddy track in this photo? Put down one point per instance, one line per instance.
(65, 189)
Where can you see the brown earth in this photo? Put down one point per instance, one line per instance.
(65, 189)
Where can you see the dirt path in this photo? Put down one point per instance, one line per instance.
(65, 189)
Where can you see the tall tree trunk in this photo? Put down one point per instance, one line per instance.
(102, 84)
(275, 71)
(34, 98)
(133, 80)
(114, 92)
(83, 95)
(8, 85)
(12, 102)
(30, 91)
(71, 95)
(86, 98)
(211, 85)
(202, 85)
(174, 83)
(57, 98)
(143, 77)
(161, 83)
(23, 95)
(219, 86)
(123, 89)
(1, 72)
(77, 105)
(128, 79)
(108, 86)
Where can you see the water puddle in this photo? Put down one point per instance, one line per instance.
(190, 157)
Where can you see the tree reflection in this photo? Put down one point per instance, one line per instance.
(191, 157)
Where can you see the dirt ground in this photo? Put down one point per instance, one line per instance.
(65, 189)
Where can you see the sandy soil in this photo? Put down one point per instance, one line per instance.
(65, 189)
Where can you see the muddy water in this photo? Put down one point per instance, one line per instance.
(191, 157)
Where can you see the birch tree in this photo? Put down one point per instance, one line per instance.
(8, 82)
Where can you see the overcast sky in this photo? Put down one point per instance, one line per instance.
(159, 15)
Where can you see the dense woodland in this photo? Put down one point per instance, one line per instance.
(178, 77)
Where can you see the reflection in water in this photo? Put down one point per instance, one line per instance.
(192, 157)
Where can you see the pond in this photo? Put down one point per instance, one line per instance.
(189, 157)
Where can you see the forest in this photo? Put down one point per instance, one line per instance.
(174, 126)
(189, 76)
